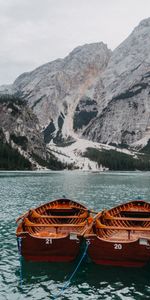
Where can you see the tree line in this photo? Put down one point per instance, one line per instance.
(115, 160)
(11, 159)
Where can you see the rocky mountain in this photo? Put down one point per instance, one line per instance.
(94, 93)
(58, 91)
(123, 92)
(91, 94)
(20, 129)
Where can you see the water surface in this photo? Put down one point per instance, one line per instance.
(23, 190)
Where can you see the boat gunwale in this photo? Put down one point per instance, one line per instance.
(76, 205)
(23, 235)
(112, 241)
(134, 203)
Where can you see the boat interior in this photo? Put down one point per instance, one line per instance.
(55, 219)
(127, 222)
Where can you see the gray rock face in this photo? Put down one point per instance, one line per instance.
(85, 111)
(94, 93)
(21, 129)
(123, 92)
(54, 90)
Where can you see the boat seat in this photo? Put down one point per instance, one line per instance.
(35, 214)
(128, 228)
(107, 216)
(31, 224)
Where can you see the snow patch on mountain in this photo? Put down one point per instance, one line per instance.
(142, 142)
(73, 154)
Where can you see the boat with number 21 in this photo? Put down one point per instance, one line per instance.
(52, 232)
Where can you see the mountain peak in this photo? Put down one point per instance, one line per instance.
(89, 48)
(123, 91)
(144, 23)
(101, 94)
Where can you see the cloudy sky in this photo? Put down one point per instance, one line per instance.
(33, 32)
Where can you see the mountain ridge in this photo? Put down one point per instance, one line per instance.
(93, 93)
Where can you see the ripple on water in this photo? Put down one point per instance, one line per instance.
(21, 191)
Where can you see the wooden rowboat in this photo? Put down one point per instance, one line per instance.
(52, 232)
(121, 236)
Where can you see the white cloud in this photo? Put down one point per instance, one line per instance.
(33, 32)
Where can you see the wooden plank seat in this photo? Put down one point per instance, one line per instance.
(107, 216)
(28, 223)
(35, 214)
(128, 228)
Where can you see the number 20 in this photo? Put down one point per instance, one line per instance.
(117, 246)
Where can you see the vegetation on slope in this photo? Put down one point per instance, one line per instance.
(11, 99)
(11, 159)
(146, 149)
(118, 161)
(52, 163)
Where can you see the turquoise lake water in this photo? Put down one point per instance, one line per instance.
(20, 191)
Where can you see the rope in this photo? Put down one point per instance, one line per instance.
(20, 259)
(73, 273)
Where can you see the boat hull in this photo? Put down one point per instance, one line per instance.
(124, 254)
(48, 249)
(52, 232)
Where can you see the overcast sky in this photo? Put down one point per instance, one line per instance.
(33, 32)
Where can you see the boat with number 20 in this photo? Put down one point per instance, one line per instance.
(121, 236)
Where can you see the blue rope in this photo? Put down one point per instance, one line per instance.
(75, 270)
(20, 259)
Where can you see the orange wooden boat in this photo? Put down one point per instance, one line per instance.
(52, 232)
(121, 236)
